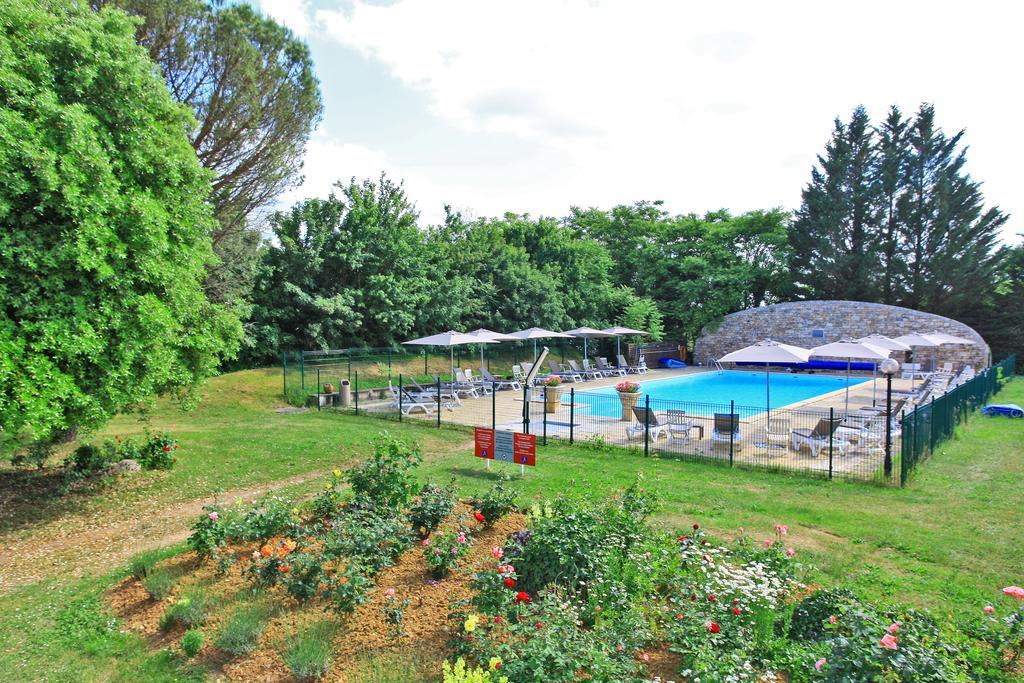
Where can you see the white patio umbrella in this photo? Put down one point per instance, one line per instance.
(536, 333)
(949, 339)
(850, 349)
(451, 339)
(487, 336)
(883, 342)
(621, 332)
(767, 352)
(586, 333)
(916, 339)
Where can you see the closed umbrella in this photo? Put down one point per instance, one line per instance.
(588, 333)
(451, 339)
(620, 332)
(487, 336)
(767, 352)
(850, 349)
(536, 333)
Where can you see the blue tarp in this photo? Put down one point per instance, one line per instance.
(1007, 409)
(671, 363)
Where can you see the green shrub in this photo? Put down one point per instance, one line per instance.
(497, 502)
(190, 610)
(307, 653)
(386, 478)
(209, 531)
(239, 634)
(444, 550)
(433, 505)
(348, 589)
(159, 581)
(158, 453)
(567, 548)
(372, 538)
(89, 459)
(140, 568)
(192, 642)
(812, 613)
(267, 517)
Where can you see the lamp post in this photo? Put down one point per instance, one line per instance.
(889, 367)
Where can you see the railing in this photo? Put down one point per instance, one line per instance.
(934, 422)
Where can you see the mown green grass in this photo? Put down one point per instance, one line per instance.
(949, 541)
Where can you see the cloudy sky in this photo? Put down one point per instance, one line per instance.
(536, 106)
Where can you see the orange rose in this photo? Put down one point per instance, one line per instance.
(285, 569)
(266, 551)
(289, 545)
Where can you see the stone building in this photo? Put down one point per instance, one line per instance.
(813, 323)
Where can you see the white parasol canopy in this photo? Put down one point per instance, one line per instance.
(485, 336)
(588, 333)
(536, 333)
(620, 332)
(850, 349)
(767, 352)
(944, 338)
(883, 342)
(917, 339)
(451, 339)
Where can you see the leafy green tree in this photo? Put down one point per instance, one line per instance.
(105, 233)
(834, 237)
(251, 85)
(1002, 319)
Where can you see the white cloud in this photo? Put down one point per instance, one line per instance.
(704, 105)
(295, 14)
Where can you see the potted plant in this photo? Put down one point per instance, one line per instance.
(328, 388)
(629, 396)
(552, 393)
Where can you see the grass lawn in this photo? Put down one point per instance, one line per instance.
(949, 541)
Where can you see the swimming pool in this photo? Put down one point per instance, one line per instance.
(714, 390)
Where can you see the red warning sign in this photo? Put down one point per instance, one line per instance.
(514, 447)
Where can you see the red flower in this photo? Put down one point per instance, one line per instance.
(498, 620)
(696, 526)
(680, 615)
(713, 626)
(522, 596)
(682, 538)
(712, 598)
(167, 448)
(538, 625)
(479, 517)
(510, 583)
(736, 611)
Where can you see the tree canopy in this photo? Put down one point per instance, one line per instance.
(104, 226)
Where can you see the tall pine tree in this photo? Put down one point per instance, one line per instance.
(834, 238)
(893, 158)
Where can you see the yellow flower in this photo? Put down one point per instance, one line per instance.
(337, 473)
(495, 662)
(471, 621)
(295, 511)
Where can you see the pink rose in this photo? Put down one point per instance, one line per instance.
(390, 592)
(818, 664)
(619, 647)
(894, 628)
(888, 641)
(426, 541)
(1015, 591)
(214, 516)
(832, 619)
(790, 552)
(769, 543)
(989, 609)
(781, 529)
(497, 552)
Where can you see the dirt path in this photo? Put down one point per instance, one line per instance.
(60, 550)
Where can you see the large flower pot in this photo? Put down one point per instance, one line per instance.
(629, 401)
(553, 399)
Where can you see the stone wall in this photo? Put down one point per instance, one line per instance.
(797, 322)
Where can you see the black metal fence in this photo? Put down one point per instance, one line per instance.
(934, 422)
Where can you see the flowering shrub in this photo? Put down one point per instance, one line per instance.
(208, 532)
(443, 551)
(498, 501)
(628, 387)
(386, 479)
(372, 538)
(158, 452)
(264, 518)
(552, 381)
(327, 503)
(433, 505)
(461, 674)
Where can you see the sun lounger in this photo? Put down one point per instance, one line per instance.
(565, 373)
(609, 370)
(674, 425)
(515, 384)
(727, 430)
(585, 373)
(406, 404)
(814, 440)
(640, 368)
(481, 384)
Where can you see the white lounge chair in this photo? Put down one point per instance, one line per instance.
(481, 384)
(640, 368)
(566, 373)
(602, 364)
(498, 384)
(587, 373)
(814, 440)
(727, 430)
(675, 426)
(404, 402)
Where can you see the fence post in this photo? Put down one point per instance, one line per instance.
(732, 427)
(931, 442)
(647, 425)
(438, 396)
(831, 421)
(284, 372)
(572, 413)
(302, 369)
(425, 368)
(545, 415)
(494, 405)
(526, 409)
(389, 363)
(904, 456)
(318, 390)
(401, 391)
(357, 392)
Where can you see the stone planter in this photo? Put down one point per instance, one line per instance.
(554, 399)
(629, 401)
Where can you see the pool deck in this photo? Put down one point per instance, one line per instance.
(859, 459)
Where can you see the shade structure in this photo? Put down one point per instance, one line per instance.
(488, 336)
(536, 333)
(944, 338)
(767, 352)
(586, 333)
(850, 349)
(883, 342)
(918, 339)
(451, 339)
(620, 332)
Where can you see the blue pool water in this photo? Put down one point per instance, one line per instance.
(709, 392)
